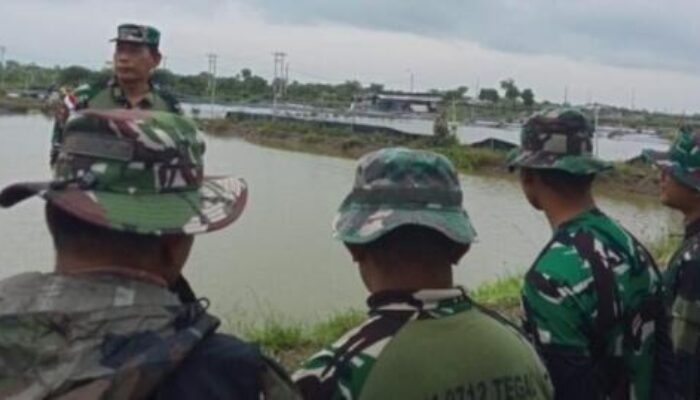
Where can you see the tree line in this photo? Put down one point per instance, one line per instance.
(244, 86)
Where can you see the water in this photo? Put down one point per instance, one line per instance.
(619, 148)
(279, 258)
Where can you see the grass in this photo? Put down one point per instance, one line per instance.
(662, 250)
(290, 342)
(501, 293)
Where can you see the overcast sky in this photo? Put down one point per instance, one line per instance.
(614, 51)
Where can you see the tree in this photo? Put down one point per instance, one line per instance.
(164, 77)
(511, 91)
(528, 97)
(75, 76)
(489, 95)
(375, 88)
(455, 94)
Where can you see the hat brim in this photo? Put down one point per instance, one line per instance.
(663, 160)
(359, 225)
(217, 204)
(656, 157)
(135, 41)
(577, 165)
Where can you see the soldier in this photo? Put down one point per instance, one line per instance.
(136, 56)
(680, 190)
(404, 225)
(127, 196)
(592, 297)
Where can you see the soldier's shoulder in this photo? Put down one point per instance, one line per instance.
(343, 366)
(221, 364)
(561, 261)
(689, 251)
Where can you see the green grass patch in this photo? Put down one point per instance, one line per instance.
(503, 292)
(662, 250)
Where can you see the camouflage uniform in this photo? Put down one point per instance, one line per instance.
(592, 296)
(110, 95)
(423, 344)
(682, 277)
(104, 335)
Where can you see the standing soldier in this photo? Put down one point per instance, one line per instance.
(680, 190)
(592, 298)
(128, 196)
(136, 56)
(404, 225)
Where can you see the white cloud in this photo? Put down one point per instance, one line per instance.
(374, 42)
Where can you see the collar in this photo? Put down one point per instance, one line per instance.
(692, 229)
(126, 273)
(588, 213)
(119, 96)
(419, 300)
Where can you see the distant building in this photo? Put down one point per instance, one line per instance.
(494, 144)
(397, 102)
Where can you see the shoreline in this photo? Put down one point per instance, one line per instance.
(627, 182)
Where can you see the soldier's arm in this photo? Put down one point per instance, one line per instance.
(685, 328)
(81, 96)
(223, 367)
(556, 311)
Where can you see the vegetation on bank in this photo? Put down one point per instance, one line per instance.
(319, 138)
(20, 105)
(292, 342)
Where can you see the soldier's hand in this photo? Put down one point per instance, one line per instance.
(60, 112)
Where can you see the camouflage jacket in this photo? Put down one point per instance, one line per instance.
(427, 344)
(682, 278)
(111, 96)
(592, 301)
(108, 337)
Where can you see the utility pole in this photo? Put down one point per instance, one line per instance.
(410, 80)
(566, 95)
(278, 80)
(212, 81)
(286, 79)
(2, 73)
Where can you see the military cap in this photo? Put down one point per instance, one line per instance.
(136, 171)
(560, 139)
(682, 160)
(398, 186)
(143, 34)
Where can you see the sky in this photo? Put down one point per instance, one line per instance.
(633, 53)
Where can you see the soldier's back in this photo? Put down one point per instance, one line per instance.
(444, 350)
(594, 292)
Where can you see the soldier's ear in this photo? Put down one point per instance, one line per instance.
(174, 252)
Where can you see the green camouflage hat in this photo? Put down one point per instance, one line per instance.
(133, 33)
(682, 160)
(136, 171)
(399, 186)
(559, 138)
